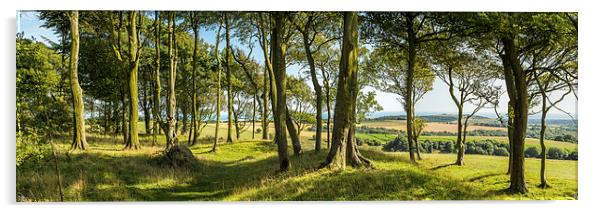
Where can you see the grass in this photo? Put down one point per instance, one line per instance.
(246, 170)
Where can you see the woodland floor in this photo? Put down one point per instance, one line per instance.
(246, 170)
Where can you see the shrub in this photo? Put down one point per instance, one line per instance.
(358, 141)
(572, 155)
(556, 153)
(30, 147)
(499, 151)
(258, 130)
(396, 145)
(448, 147)
(532, 152)
(488, 147)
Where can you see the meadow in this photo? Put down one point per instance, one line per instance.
(246, 170)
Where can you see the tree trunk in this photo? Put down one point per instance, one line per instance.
(133, 142)
(254, 110)
(79, 126)
(228, 78)
(278, 84)
(343, 150)
(124, 113)
(519, 112)
(157, 80)
(542, 132)
(171, 109)
(459, 142)
(264, 116)
(218, 92)
(145, 103)
(417, 147)
(292, 131)
(195, 124)
(328, 119)
(317, 88)
(409, 105)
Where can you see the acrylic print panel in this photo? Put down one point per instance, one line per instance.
(295, 106)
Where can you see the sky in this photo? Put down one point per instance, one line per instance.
(436, 101)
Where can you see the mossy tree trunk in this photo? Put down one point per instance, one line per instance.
(343, 150)
(134, 55)
(294, 134)
(79, 126)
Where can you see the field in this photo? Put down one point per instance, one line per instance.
(430, 127)
(246, 170)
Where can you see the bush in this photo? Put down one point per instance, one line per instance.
(556, 153)
(448, 147)
(532, 152)
(499, 151)
(358, 141)
(30, 147)
(572, 155)
(396, 145)
(258, 130)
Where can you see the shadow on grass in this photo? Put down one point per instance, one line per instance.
(442, 166)
(96, 176)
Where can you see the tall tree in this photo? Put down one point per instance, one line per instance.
(516, 35)
(171, 133)
(194, 24)
(218, 89)
(311, 27)
(134, 58)
(79, 127)
(227, 23)
(344, 148)
(468, 77)
(406, 32)
(278, 82)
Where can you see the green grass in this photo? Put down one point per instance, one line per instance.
(246, 170)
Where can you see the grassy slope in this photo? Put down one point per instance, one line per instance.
(246, 171)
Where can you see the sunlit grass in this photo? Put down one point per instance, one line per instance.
(246, 170)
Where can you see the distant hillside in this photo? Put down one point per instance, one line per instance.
(432, 118)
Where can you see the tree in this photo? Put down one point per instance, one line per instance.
(134, 58)
(516, 35)
(555, 68)
(170, 132)
(79, 127)
(218, 89)
(391, 70)
(344, 148)
(194, 25)
(468, 77)
(313, 27)
(278, 82)
(405, 32)
(328, 64)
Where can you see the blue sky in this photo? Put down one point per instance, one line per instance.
(436, 101)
